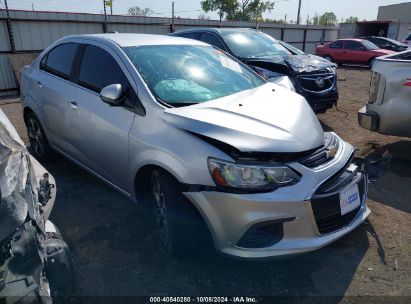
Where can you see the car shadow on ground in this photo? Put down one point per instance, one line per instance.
(116, 252)
(389, 187)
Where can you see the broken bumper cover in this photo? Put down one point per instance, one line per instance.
(368, 119)
(289, 220)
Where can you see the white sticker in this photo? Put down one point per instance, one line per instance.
(230, 64)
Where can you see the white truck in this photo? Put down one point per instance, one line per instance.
(388, 110)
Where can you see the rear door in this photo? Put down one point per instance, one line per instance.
(355, 52)
(336, 50)
(99, 131)
(52, 92)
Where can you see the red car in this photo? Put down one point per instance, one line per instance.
(359, 51)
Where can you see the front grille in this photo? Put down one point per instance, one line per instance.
(317, 82)
(323, 154)
(326, 207)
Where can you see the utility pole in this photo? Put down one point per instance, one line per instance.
(299, 11)
(105, 17)
(9, 28)
(111, 7)
(172, 17)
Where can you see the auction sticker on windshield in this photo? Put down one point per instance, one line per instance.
(349, 200)
(230, 64)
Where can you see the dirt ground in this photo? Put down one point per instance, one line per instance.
(116, 252)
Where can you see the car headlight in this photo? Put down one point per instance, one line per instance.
(333, 69)
(267, 74)
(251, 178)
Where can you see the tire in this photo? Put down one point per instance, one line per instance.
(329, 58)
(37, 138)
(178, 222)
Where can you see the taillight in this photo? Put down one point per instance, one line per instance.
(374, 85)
(407, 83)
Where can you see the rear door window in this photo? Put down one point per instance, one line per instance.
(336, 45)
(353, 45)
(99, 69)
(59, 60)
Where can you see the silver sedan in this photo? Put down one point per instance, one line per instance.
(220, 153)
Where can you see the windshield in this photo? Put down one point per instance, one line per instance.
(253, 44)
(369, 45)
(181, 75)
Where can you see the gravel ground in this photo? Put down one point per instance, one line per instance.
(116, 253)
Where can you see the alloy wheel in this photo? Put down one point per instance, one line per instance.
(160, 212)
(36, 137)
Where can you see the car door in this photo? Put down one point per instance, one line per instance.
(336, 50)
(99, 131)
(52, 93)
(355, 52)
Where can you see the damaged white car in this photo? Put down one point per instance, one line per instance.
(219, 151)
(388, 110)
(35, 264)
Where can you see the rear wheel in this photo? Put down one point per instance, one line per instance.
(178, 223)
(38, 140)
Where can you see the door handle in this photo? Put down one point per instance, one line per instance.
(73, 104)
(39, 83)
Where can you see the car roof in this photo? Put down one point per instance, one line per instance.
(218, 30)
(125, 40)
(351, 39)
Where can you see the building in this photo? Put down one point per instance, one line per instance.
(397, 12)
(393, 21)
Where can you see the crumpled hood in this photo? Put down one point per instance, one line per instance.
(265, 119)
(299, 63)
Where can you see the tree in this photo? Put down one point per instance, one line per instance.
(137, 11)
(245, 10)
(351, 20)
(328, 18)
(316, 19)
(223, 7)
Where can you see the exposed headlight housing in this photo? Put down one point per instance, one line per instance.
(250, 177)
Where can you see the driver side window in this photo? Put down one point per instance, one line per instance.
(99, 69)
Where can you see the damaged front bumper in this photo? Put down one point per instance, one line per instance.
(290, 220)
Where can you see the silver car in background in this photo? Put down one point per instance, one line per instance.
(219, 152)
(388, 110)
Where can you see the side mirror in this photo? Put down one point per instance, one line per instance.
(112, 94)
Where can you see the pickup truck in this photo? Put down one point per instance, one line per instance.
(388, 110)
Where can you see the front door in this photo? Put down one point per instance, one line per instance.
(99, 131)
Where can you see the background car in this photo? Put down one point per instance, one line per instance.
(407, 39)
(388, 110)
(354, 51)
(312, 77)
(387, 43)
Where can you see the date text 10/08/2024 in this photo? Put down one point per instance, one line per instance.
(203, 300)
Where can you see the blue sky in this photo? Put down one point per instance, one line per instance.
(363, 9)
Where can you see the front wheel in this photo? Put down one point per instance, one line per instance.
(178, 222)
(329, 58)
